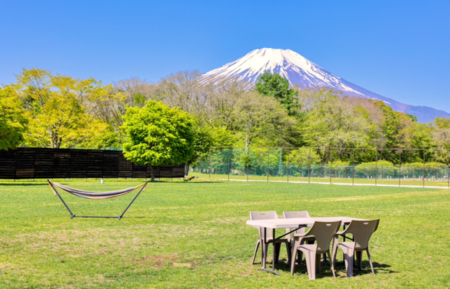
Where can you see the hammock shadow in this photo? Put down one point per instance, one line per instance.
(24, 184)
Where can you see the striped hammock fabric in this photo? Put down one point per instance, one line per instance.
(93, 195)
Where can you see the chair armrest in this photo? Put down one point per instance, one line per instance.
(298, 236)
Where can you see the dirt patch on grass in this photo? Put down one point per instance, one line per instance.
(156, 262)
(161, 261)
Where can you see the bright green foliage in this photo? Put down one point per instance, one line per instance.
(158, 135)
(277, 86)
(441, 133)
(263, 121)
(13, 123)
(222, 137)
(202, 144)
(256, 161)
(58, 111)
(442, 122)
(333, 123)
(303, 157)
(370, 168)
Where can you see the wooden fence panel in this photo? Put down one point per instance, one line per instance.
(44, 163)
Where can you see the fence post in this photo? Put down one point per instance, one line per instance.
(400, 170)
(309, 166)
(210, 163)
(423, 169)
(287, 168)
(448, 169)
(331, 162)
(353, 164)
(248, 159)
(268, 161)
(376, 166)
(229, 162)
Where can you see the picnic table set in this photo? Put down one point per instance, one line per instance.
(323, 232)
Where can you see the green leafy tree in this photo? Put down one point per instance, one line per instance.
(202, 144)
(60, 110)
(277, 86)
(13, 123)
(157, 135)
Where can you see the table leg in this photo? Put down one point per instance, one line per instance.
(264, 249)
(274, 250)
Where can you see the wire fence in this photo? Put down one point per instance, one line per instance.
(396, 167)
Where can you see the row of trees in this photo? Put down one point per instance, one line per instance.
(42, 109)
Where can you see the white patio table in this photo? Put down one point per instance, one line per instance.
(297, 223)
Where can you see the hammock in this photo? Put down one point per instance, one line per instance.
(94, 196)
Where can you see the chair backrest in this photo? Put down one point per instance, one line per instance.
(362, 231)
(324, 232)
(298, 214)
(264, 216)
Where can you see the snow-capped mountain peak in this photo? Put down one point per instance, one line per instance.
(304, 73)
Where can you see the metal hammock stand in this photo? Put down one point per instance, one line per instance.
(95, 195)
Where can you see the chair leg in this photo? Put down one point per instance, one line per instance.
(288, 251)
(359, 259)
(293, 255)
(370, 261)
(300, 257)
(331, 264)
(335, 247)
(318, 263)
(348, 259)
(256, 251)
(311, 264)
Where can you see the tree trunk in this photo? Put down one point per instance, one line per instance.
(152, 173)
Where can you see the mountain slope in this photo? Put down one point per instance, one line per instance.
(299, 70)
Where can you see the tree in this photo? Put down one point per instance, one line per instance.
(277, 86)
(158, 135)
(261, 117)
(303, 157)
(333, 122)
(13, 123)
(61, 110)
(440, 133)
(202, 144)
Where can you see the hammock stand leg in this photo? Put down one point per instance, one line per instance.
(67, 207)
(143, 187)
(107, 217)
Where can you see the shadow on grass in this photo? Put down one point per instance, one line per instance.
(325, 268)
(23, 184)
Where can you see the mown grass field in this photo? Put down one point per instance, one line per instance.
(193, 235)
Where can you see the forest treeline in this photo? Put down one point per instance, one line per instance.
(42, 109)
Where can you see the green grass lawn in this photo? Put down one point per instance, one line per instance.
(185, 235)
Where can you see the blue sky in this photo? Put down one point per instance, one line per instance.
(398, 49)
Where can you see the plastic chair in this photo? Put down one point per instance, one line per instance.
(361, 231)
(299, 214)
(299, 232)
(269, 237)
(323, 232)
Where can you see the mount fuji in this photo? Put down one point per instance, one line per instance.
(304, 73)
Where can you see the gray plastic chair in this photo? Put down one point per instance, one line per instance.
(269, 237)
(361, 231)
(323, 233)
(297, 214)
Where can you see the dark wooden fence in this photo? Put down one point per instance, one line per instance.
(42, 163)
